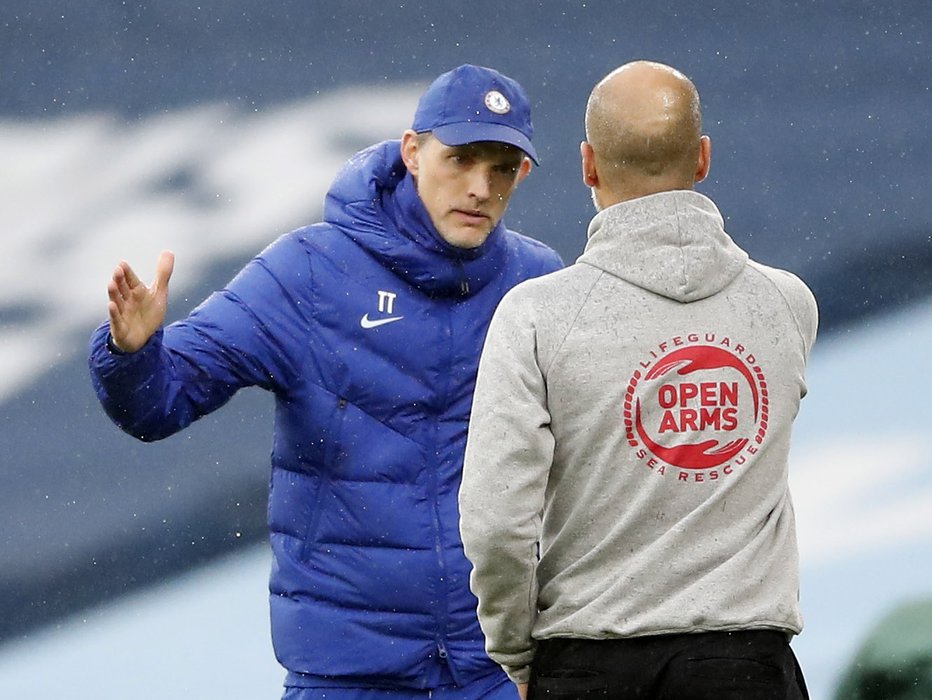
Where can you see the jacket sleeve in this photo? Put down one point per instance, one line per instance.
(508, 456)
(801, 304)
(244, 335)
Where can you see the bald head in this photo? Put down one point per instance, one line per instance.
(644, 127)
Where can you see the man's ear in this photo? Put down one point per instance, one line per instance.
(410, 146)
(705, 158)
(590, 175)
(524, 170)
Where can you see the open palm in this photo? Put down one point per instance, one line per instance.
(137, 311)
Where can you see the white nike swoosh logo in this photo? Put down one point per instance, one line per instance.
(366, 322)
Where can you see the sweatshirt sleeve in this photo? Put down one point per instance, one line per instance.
(244, 335)
(508, 456)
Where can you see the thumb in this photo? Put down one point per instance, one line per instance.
(163, 271)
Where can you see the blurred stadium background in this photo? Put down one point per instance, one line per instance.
(211, 128)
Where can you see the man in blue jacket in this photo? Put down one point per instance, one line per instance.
(367, 328)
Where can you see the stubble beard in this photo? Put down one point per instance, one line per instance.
(595, 199)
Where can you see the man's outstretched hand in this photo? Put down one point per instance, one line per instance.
(137, 311)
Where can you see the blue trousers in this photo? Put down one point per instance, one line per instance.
(493, 687)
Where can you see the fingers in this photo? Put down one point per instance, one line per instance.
(117, 288)
(117, 308)
(163, 270)
(128, 274)
(135, 310)
(119, 328)
(125, 279)
(116, 320)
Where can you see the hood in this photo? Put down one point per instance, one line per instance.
(672, 243)
(374, 201)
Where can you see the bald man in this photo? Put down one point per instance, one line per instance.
(624, 501)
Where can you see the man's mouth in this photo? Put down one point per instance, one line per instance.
(471, 216)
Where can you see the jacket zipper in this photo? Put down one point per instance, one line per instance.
(443, 588)
(464, 280)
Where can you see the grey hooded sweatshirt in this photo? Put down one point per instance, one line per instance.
(626, 467)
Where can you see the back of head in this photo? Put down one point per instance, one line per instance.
(644, 124)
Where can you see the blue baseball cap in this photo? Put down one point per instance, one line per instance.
(473, 103)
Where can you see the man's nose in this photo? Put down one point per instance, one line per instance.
(480, 183)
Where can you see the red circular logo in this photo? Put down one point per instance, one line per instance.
(698, 406)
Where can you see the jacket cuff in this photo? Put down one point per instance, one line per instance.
(518, 674)
(112, 347)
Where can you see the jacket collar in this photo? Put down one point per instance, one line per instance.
(374, 201)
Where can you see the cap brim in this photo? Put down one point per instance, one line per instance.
(470, 132)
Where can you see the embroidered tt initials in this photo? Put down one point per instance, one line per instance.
(386, 302)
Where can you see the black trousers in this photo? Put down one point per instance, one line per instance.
(754, 665)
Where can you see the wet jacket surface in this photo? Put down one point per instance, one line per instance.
(368, 329)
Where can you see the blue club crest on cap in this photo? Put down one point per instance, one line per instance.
(473, 103)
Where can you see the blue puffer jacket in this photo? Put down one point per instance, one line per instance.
(368, 329)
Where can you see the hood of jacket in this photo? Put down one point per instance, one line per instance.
(374, 201)
(672, 243)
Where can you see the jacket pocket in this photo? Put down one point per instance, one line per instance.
(333, 437)
(750, 671)
(293, 501)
